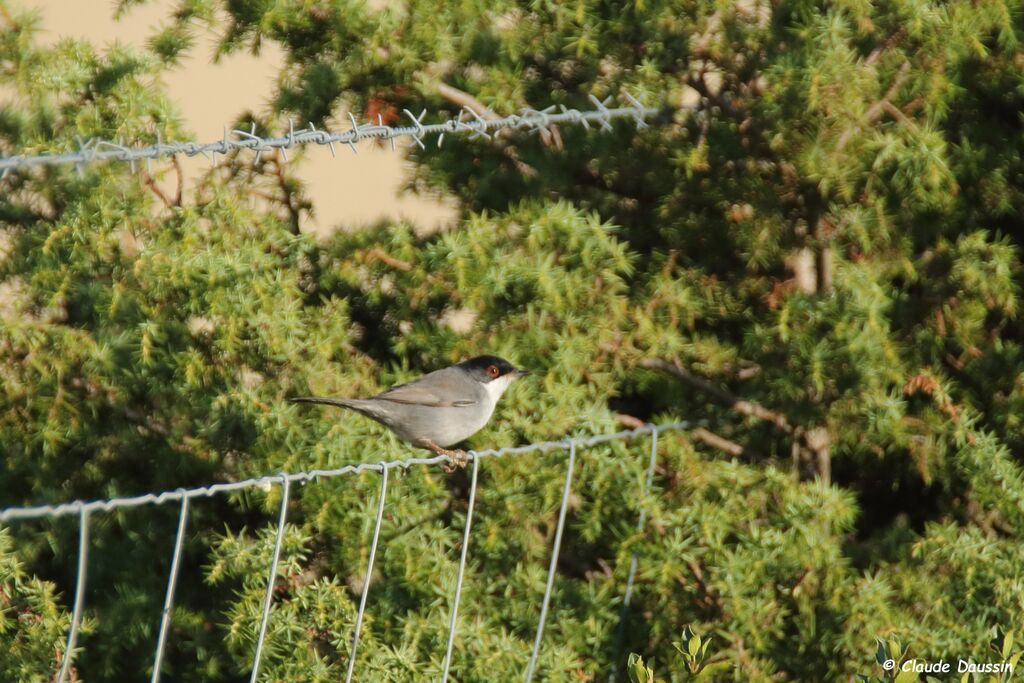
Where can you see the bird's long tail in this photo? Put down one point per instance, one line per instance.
(352, 404)
(361, 406)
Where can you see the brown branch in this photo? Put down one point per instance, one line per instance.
(823, 235)
(808, 570)
(720, 395)
(464, 99)
(147, 422)
(701, 434)
(890, 43)
(874, 112)
(876, 109)
(269, 196)
(818, 441)
(713, 27)
(709, 598)
(150, 182)
(294, 212)
(379, 255)
(629, 421)
(718, 442)
(739, 113)
(898, 81)
(897, 114)
(748, 371)
(181, 179)
(812, 444)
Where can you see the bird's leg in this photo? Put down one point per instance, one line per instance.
(459, 458)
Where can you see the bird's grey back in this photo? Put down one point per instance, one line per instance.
(445, 407)
(448, 387)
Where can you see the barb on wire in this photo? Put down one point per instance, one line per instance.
(240, 140)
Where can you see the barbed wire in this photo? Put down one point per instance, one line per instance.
(468, 122)
(84, 510)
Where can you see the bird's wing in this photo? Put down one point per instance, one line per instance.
(435, 393)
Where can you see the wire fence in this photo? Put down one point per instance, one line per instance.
(84, 510)
(468, 122)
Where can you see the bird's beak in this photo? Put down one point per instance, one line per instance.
(519, 372)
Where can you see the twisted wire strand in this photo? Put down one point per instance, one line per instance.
(239, 140)
(107, 505)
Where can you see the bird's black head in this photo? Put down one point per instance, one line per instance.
(486, 369)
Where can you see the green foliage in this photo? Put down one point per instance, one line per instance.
(828, 253)
(692, 650)
(638, 671)
(32, 624)
(311, 630)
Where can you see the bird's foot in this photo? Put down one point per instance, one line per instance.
(458, 458)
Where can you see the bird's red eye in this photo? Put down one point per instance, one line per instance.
(493, 371)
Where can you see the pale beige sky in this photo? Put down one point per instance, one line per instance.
(348, 191)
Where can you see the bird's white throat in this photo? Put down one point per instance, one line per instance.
(496, 387)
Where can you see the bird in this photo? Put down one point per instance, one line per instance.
(441, 408)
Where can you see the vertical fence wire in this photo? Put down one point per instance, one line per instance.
(641, 522)
(76, 612)
(369, 571)
(462, 569)
(566, 490)
(172, 583)
(269, 598)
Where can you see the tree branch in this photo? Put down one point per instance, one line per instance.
(464, 99)
(823, 236)
(718, 442)
(890, 42)
(378, 254)
(294, 211)
(706, 436)
(629, 421)
(876, 109)
(150, 182)
(709, 598)
(720, 395)
(809, 445)
(181, 179)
